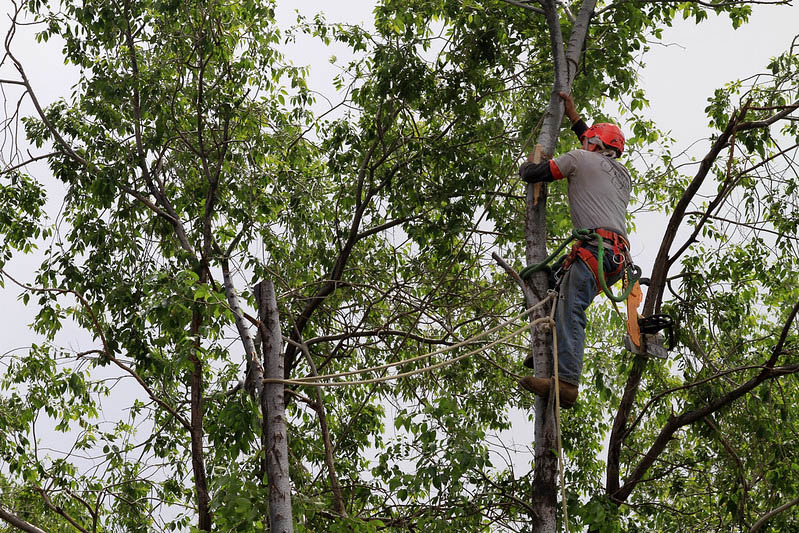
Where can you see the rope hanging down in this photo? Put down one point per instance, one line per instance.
(316, 381)
(556, 380)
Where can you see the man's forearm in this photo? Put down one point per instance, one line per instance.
(536, 172)
(579, 128)
(569, 107)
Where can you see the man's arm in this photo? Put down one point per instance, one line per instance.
(537, 172)
(579, 126)
(548, 170)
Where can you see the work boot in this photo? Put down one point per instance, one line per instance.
(540, 386)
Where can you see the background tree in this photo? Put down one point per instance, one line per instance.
(194, 169)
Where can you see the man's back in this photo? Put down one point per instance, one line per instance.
(599, 190)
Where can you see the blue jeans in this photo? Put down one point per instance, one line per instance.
(577, 291)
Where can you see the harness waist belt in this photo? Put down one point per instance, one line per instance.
(612, 241)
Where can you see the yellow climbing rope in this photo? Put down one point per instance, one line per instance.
(318, 381)
(557, 420)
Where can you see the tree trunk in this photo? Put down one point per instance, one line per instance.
(204, 520)
(273, 412)
(546, 461)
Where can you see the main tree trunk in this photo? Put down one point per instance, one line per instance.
(546, 461)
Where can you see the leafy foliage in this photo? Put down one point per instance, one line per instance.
(189, 145)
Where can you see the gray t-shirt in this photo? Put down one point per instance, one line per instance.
(599, 189)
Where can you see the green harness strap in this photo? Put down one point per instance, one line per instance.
(633, 273)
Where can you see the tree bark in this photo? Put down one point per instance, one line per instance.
(18, 522)
(253, 383)
(546, 462)
(273, 411)
(204, 519)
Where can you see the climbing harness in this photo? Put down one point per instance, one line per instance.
(621, 257)
(643, 333)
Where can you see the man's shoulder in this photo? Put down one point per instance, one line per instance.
(577, 154)
(582, 157)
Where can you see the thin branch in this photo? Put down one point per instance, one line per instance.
(749, 225)
(523, 5)
(386, 225)
(771, 514)
(566, 10)
(511, 272)
(255, 370)
(319, 407)
(58, 510)
(744, 126)
(687, 386)
(29, 161)
(39, 110)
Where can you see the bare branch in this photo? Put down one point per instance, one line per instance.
(255, 370)
(512, 273)
(749, 225)
(28, 162)
(771, 514)
(387, 225)
(744, 126)
(524, 5)
(39, 110)
(60, 511)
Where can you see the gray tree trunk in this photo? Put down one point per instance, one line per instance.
(17, 522)
(565, 62)
(273, 411)
(253, 383)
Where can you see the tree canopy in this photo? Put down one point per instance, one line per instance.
(196, 163)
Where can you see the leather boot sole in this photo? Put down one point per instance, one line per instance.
(540, 387)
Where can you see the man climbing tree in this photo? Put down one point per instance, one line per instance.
(599, 191)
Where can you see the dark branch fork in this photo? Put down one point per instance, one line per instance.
(663, 262)
(674, 423)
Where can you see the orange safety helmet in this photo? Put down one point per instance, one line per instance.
(610, 135)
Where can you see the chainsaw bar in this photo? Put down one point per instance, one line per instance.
(652, 345)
